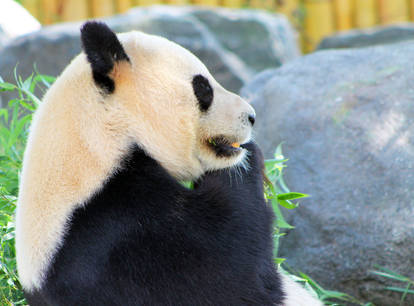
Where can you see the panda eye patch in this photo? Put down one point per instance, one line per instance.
(203, 92)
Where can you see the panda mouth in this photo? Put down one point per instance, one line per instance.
(223, 147)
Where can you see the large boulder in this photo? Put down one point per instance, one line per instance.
(258, 38)
(346, 120)
(380, 35)
(256, 84)
(234, 44)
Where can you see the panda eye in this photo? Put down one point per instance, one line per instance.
(203, 92)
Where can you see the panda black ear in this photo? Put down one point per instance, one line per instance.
(103, 50)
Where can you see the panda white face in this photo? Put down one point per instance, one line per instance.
(176, 110)
(226, 122)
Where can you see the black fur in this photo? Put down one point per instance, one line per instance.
(146, 240)
(102, 49)
(203, 92)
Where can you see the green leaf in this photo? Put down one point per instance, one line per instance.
(402, 290)
(279, 260)
(20, 125)
(287, 204)
(391, 275)
(280, 220)
(5, 114)
(4, 86)
(45, 79)
(187, 184)
(273, 162)
(278, 151)
(291, 196)
(26, 85)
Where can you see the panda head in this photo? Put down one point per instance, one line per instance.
(163, 98)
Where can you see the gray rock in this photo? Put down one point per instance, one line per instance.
(346, 118)
(266, 41)
(52, 48)
(256, 84)
(369, 37)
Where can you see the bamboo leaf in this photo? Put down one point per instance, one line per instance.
(287, 204)
(397, 289)
(4, 86)
(280, 220)
(291, 196)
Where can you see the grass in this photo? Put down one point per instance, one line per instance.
(14, 124)
(279, 195)
(406, 283)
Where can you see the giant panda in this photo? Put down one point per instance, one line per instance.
(101, 216)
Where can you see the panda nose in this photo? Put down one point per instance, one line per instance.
(252, 118)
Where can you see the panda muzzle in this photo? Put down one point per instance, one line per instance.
(223, 147)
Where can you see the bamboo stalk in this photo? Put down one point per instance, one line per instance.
(287, 7)
(391, 11)
(176, 2)
(411, 8)
(365, 13)
(343, 14)
(100, 8)
(318, 22)
(233, 3)
(74, 10)
(206, 2)
(146, 2)
(123, 5)
(262, 4)
(49, 11)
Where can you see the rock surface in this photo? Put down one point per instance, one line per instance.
(369, 37)
(257, 83)
(234, 44)
(346, 118)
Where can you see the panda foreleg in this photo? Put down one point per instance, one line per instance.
(246, 184)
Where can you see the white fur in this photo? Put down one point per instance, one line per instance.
(296, 295)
